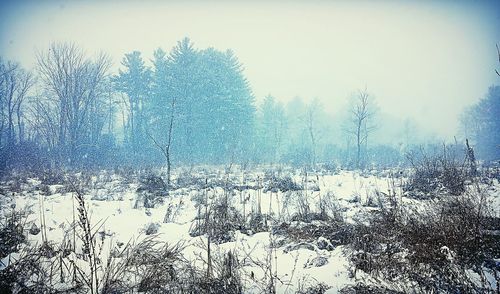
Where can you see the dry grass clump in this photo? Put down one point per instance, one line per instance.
(431, 248)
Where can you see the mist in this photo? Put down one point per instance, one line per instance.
(418, 59)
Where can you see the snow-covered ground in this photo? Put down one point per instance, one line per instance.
(112, 203)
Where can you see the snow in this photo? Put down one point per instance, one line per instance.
(111, 204)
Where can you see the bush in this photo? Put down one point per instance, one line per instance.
(367, 289)
(433, 248)
(151, 228)
(12, 235)
(26, 275)
(332, 232)
(220, 223)
(152, 190)
(284, 183)
(319, 288)
(439, 171)
(186, 179)
(52, 177)
(29, 271)
(226, 276)
(257, 223)
(157, 266)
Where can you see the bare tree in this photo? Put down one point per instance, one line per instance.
(7, 71)
(43, 121)
(165, 148)
(359, 125)
(14, 86)
(111, 105)
(311, 121)
(26, 82)
(74, 82)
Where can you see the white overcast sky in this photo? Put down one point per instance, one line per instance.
(425, 60)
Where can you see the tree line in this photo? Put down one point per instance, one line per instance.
(187, 106)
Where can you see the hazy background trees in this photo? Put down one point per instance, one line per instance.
(271, 129)
(192, 106)
(481, 124)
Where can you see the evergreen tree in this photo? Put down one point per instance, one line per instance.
(226, 93)
(481, 123)
(181, 85)
(134, 80)
(272, 128)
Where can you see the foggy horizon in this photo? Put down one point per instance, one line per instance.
(416, 59)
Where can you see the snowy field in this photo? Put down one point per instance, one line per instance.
(290, 246)
(233, 147)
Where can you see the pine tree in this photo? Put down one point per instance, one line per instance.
(134, 80)
(272, 128)
(481, 122)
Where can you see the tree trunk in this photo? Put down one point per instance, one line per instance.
(19, 124)
(358, 142)
(169, 164)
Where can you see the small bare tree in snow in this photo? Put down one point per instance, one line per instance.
(361, 112)
(165, 148)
